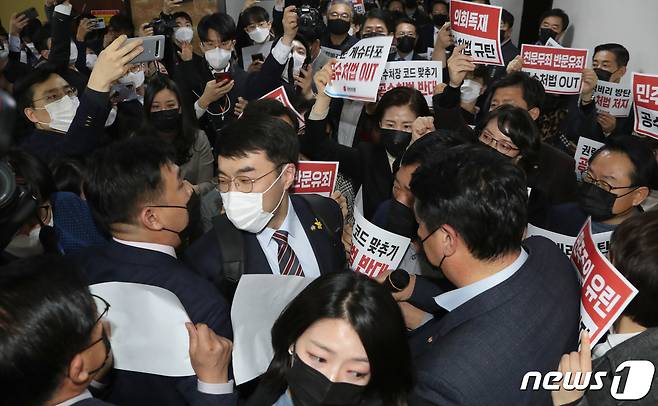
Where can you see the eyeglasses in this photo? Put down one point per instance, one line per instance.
(587, 176)
(343, 16)
(58, 94)
(242, 183)
(252, 27)
(430, 234)
(104, 338)
(500, 146)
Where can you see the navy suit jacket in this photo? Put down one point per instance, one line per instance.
(117, 262)
(478, 353)
(205, 255)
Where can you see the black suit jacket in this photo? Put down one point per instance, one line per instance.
(117, 262)
(478, 353)
(205, 255)
(425, 38)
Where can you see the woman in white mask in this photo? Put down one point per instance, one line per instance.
(473, 86)
(298, 70)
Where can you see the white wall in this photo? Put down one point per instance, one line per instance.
(233, 7)
(516, 8)
(631, 23)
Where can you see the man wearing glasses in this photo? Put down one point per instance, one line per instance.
(618, 180)
(339, 20)
(64, 125)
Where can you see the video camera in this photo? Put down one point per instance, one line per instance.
(310, 22)
(162, 26)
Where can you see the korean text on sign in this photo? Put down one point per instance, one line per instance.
(584, 151)
(566, 243)
(280, 94)
(359, 71)
(612, 98)
(315, 177)
(558, 69)
(645, 99)
(375, 250)
(420, 75)
(477, 27)
(605, 292)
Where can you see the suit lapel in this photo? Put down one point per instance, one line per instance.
(317, 237)
(255, 261)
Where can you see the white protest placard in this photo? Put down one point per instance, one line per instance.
(255, 52)
(359, 71)
(645, 100)
(478, 27)
(605, 291)
(315, 177)
(280, 94)
(612, 98)
(331, 53)
(558, 69)
(584, 151)
(420, 75)
(258, 302)
(359, 7)
(148, 328)
(553, 43)
(566, 243)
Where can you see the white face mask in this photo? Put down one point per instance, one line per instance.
(134, 78)
(111, 117)
(25, 246)
(4, 53)
(245, 210)
(297, 64)
(259, 35)
(61, 113)
(91, 60)
(184, 34)
(74, 53)
(470, 90)
(218, 58)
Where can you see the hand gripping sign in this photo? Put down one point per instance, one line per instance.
(358, 72)
(645, 99)
(478, 27)
(558, 69)
(315, 177)
(420, 75)
(605, 291)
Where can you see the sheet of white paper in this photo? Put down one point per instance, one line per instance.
(148, 328)
(258, 302)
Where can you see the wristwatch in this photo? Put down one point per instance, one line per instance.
(398, 280)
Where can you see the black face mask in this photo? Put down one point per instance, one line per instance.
(597, 202)
(395, 141)
(406, 44)
(309, 387)
(545, 34)
(166, 120)
(439, 20)
(603, 74)
(338, 26)
(402, 221)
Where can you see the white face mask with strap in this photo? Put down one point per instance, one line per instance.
(61, 112)
(218, 58)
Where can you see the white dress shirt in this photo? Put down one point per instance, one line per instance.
(612, 341)
(165, 249)
(84, 395)
(298, 241)
(455, 298)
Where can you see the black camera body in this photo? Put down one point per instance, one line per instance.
(310, 22)
(162, 27)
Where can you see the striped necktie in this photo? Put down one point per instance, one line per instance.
(288, 261)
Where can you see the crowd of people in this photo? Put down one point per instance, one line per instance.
(175, 173)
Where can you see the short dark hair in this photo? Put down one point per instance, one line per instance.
(220, 22)
(124, 175)
(634, 252)
(641, 156)
(271, 107)
(402, 96)
(370, 310)
(517, 124)
(24, 90)
(184, 15)
(556, 12)
(47, 318)
(41, 38)
(533, 90)
(435, 2)
(621, 53)
(260, 132)
(429, 144)
(405, 20)
(68, 174)
(379, 14)
(254, 14)
(121, 23)
(32, 173)
(479, 193)
(507, 18)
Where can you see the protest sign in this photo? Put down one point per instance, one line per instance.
(359, 7)
(359, 71)
(280, 94)
(558, 69)
(478, 27)
(315, 177)
(612, 98)
(584, 150)
(331, 53)
(645, 99)
(605, 291)
(420, 75)
(553, 43)
(566, 243)
(255, 52)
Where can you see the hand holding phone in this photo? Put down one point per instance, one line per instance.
(219, 76)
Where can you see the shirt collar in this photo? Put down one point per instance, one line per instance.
(612, 341)
(455, 298)
(409, 56)
(165, 249)
(288, 225)
(84, 395)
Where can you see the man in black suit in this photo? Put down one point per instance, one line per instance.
(516, 304)
(406, 36)
(279, 233)
(137, 192)
(428, 34)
